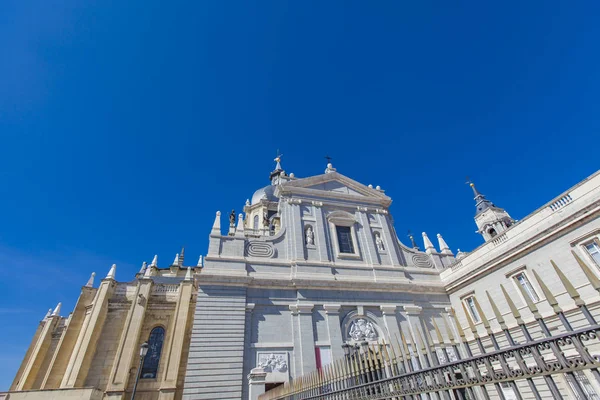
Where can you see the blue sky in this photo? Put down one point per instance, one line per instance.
(126, 125)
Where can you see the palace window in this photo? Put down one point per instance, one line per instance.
(470, 302)
(593, 249)
(344, 236)
(522, 280)
(255, 224)
(152, 359)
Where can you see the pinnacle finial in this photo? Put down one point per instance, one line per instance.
(199, 262)
(444, 248)
(239, 230)
(154, 262)
(182, 257)
(143, 268)
(90, 281)
(188, 274)
(176, 260)
(48, 314)
(111, 272)
(429, 248)
(216, 228)
(56, 311)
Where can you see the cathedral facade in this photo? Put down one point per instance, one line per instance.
(313, 264)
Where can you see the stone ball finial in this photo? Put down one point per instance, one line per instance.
(218, 213)
(329, 165)
(370, 186)
(378, 187)
(241, 216)
(292, 175)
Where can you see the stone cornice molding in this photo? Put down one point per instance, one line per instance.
(413, 310)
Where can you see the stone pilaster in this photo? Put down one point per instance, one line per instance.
(128, 347)
(177, 333)
(64, 349)
(334, 330)
(85, 347)
(414, 321)
(40, 349)
(304, 339)
(256, 383)
(322, 241)
(391, 323)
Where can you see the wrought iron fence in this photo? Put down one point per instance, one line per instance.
(397, 370)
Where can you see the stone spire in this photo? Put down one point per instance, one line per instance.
(199, 262)
(216, 228)
(182, 257)
(444, 249)
(90, 282)
(143, 269)
(188, 274)
(427, 243)
(154, 262)
(176, 260)
(111, 272)
(56, 311)
(48, 314)
(239, 230)
(481, 203)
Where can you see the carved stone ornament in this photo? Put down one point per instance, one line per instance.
(361, 329)
(273, 362)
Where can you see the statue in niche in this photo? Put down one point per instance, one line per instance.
(379, 242)
(361, 329)
(232, 218)
(266, 222)
(273, 362)
(310, 236)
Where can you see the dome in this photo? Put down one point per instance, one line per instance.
(268, 193)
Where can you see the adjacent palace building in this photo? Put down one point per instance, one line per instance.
(314, 264)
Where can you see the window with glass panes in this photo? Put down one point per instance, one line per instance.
(344, 237)
(471, 304)
(593, 249)
(522, 280)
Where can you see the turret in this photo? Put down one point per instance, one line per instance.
(490, 219)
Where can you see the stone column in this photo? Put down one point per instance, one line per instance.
(304, 339)
(177, 332)
(256, 383)
(40, 349)
(128, 348)
(64, 349)
(334, 329)
(85, 347)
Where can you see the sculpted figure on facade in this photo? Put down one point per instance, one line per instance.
(310, 236)
(379, 242)
(232, 218)
(361, 329)
(273, 362)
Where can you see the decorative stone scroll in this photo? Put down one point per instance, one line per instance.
(273, 362)
(422, 261)
(361, 329)
(260, 249)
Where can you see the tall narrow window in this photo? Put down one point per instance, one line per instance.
(255, 224)
(344, 237)
(594, 251)
(526, 285)
(470, 301)
(152, 359)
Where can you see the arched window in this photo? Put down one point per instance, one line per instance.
(255, 227)
(492, 232)
(152, 359)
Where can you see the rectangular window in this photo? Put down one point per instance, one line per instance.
(594, 251)
(344, 236)
(522, 280)
(471, 305)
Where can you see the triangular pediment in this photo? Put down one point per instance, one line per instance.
(334, 184)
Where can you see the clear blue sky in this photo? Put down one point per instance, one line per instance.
(126, 125)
